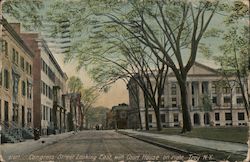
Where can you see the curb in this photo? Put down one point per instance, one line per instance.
(175, 149)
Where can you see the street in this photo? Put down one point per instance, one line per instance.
(97, 146)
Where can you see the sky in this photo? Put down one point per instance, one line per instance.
(117, 94)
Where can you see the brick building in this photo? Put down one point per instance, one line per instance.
(49, 87)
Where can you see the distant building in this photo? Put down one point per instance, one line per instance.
(118, 117)
(208, 101)
(16, 80)
(49, 87)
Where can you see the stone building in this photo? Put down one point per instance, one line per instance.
(209, 100)
(16, 81)
(118, 117)
(49, 87)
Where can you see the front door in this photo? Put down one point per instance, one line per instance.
(6, 113)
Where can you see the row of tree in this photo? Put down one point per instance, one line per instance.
(141, 40)
(88, 98)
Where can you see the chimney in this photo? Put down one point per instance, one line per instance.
(16, 27)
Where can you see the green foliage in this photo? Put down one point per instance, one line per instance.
(26, 11)
(97, 115)
(75, 84)
(207, 104)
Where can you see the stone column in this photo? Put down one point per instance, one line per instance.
(210, 89)
(199, 96)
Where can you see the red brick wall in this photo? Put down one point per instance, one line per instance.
(31, 40)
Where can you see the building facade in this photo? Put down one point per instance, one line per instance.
(16, 80)
(119, 117)
(210, 101)
(49, 87)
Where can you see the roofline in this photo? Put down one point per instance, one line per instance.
(16, 36)
(44, 44)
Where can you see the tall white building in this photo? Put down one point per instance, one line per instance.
(209, 100)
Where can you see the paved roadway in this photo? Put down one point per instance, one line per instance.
(99, 146)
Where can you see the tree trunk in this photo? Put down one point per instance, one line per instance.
(146, 112)
(187, 127)
(82, 121)
(139, 116)
(158, 119)
(231, 104)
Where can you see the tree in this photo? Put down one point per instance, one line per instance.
(158, 25)
(96, 115)
(88, 98)
(27, 12)
(75, 84)
(164, 25)
(235, 59)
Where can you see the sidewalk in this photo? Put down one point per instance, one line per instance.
(230, 147)
(31, 145)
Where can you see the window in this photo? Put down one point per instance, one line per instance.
(217, 116)
(239, 100)
(6, 111)
(30, 70)
(17, 58)
(46, 90)
(29, 115)
(29, 90)
(174, 103)
(27, 68)
(238, 90)
(44, 107)
(192, 88)
(193, 102)
(50, 93)
(227, 99)
(5, 47)
(173, 88)
(6, 79)
(23, 88)
(22, 62)
(163, 118)
(150, 118)
(204, 87)
(226, 90)
(214, 100)
(176, 118)
(50, 115)
(241, 116)
(214, 88)
(13, 55)
(228, 116)
(44, 87)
